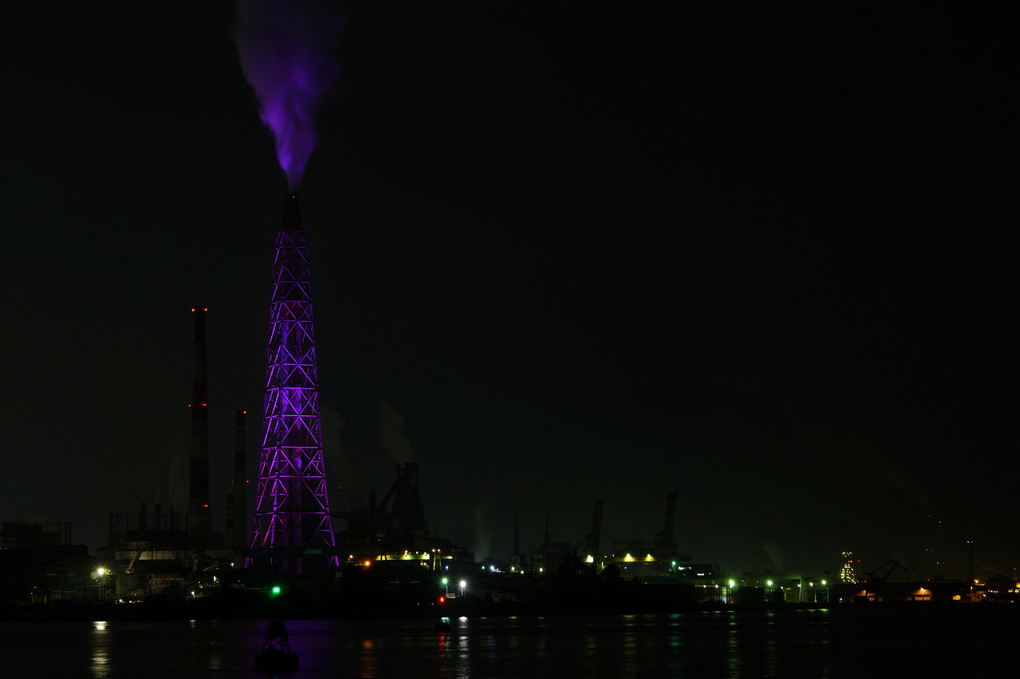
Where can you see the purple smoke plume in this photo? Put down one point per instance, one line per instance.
(287, 54)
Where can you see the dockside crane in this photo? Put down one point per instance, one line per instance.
(875, 578)
(596, 529)
(590, 542)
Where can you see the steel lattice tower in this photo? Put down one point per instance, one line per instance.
(292, 532)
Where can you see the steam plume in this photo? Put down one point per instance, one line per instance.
(392, 434)
(287, 50)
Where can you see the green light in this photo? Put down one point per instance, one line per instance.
(276, 590)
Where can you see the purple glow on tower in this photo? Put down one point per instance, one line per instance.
(287, 54)
(293, 530)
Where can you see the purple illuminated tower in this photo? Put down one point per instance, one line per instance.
(293, 532)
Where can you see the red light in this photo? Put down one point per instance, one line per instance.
(205, 506)
(442, 599)
(202, 404)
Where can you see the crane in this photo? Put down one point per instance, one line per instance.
(591, 540)
(596, 528)
(872, 578)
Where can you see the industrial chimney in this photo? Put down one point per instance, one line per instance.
(237, 501)
(199, 515)
(292, 528)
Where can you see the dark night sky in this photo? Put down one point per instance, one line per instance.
(763, 258)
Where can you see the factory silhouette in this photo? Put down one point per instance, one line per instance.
(384, 559)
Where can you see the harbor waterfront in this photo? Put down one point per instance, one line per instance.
(850, 641)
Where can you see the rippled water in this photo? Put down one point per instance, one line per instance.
(871, 642)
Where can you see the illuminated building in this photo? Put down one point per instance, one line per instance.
(848, 571)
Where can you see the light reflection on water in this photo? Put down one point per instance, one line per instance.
(758, 644)
(100, 664)
(366, 659)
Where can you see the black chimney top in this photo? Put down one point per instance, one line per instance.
(291, 214)
(199, 312)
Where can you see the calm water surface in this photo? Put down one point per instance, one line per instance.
(873, 642)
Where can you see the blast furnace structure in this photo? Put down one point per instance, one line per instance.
(292, 531)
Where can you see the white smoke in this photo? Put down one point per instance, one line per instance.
(775, 554)
(392, 436)
(483, 536)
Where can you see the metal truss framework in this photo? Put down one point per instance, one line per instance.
(292, 526)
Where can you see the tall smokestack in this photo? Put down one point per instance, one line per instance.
(292, 527)
(237, 501)
(199, 515)
(970, 563)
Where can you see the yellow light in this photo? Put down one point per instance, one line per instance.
(628, 557)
